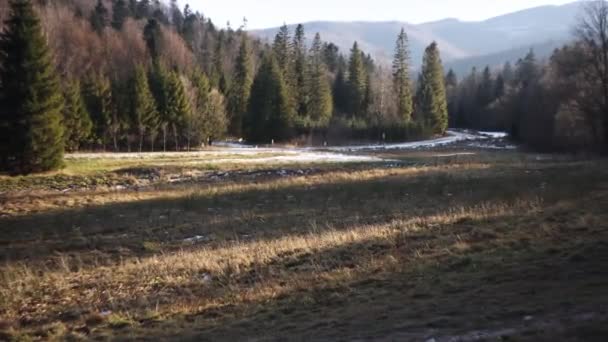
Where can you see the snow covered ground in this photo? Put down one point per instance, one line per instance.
(229, 152)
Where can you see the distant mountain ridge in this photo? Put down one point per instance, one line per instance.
(462, 43)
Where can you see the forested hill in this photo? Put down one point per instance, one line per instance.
(141, 75)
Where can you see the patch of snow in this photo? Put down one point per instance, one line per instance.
(456, 154)
(495, 135)
(195, 239)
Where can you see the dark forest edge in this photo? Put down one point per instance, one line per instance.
(141, 75)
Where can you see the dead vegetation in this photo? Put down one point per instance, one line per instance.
(456, 248)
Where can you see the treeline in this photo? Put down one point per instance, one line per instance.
(140, 75)
(557, 104)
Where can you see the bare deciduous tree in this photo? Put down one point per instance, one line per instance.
(592, 31)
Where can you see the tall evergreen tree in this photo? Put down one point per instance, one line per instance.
(281, 49)
(451, 88)
(300, 81)
(401, 78)
(432, 109)
(143, 109)
(178, 107)
(97, 94)
(270, 115)
(241, 87)
(341, 92)
(357, 80)
(100, 17)
(153, 36)
(320, 107)
(76, 119)
(30, 98)
(120, 13)
(158, 85)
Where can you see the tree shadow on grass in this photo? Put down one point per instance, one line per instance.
(146, 227)
(494, 286)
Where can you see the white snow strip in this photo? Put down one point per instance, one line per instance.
(453, 137)
(495, 135)
(231, 151)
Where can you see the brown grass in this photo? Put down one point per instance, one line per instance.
(373, 252)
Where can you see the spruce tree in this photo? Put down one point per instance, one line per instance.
(320, 107)
(99, 17)
(341, 92)
(143, 109)
(432, 108)
(97, 94)
(120, 13)
(153, 36)
(357, 78)
(76, 119)
(281, 49)
(159, 87)
(30, 98)
(241, 87)
(300, 81)
(178, 107)
(401, 79)
(270, 115)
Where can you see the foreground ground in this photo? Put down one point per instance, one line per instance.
(450, 244)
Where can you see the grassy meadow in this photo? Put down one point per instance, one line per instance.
(440, 244)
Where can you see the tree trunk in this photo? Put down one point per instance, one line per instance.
(175, 137)
(164, 138)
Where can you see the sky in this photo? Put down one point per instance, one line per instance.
(271, 13)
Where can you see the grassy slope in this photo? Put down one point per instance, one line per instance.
(500, 244)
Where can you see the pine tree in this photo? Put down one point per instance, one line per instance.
(98, 98)
(241, 87)
(431, 95)
(270, 115)
(300, 81)
(76, 119)
(340, 92)
(120, 13)
(99, 17)
(30, 98)
(153, 36)
(401, 78)
(451, 88)
(178, 107)
(357, 80)
(159, 87)
(143, 109)
(281, 49)
(320, 106)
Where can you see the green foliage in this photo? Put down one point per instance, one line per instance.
(320, 107)
(270, 114)
(299, 86)
(76, 119)
(31, 101)
(153, 36)
(401, 79)
(432, 109)
(178, 107)
(144, 115)
(357, 81)
(241, 87)
(97, 94)
(206, 121)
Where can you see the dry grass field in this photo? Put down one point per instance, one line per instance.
(431, 245)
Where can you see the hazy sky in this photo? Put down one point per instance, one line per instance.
(269, 13)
